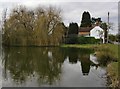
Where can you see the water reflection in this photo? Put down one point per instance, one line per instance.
(45, 63)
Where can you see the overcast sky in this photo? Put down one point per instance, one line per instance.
(71, 9)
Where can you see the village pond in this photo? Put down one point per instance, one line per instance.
(51, 67)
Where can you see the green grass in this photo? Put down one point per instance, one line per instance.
(112, 67)
(79, 45)
(108, 49)
(114, 49)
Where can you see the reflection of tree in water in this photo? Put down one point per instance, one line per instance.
(23, 62)
(72, 53)
(17, 62)
(46, 62)
(85, 63)
(82, 55)
(84, 58)
(49, 67)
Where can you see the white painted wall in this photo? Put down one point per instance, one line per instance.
(95, 32)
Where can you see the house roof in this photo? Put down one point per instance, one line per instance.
(85, 29)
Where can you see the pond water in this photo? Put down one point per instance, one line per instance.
(51, 67)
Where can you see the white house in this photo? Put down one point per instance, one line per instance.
(97, 32)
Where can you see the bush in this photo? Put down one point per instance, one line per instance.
(72, 40)
(88, 40)
(82, 40)
(104, 57)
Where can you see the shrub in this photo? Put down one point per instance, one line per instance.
(105, 56)
(87, 40)
(72, 40)
(82, 40)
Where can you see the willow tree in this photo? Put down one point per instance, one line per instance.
(48, 28)
(18, 28)
(40, 31)
(41, 27)
(54, 26)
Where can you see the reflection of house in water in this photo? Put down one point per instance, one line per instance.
(94, 61)
(85, 62)
(50, 54)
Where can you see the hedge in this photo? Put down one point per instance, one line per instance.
(82, 40)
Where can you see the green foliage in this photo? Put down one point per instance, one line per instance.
(118, 37)
(72, 40)
(33, 28)
(112, 37)
(87, 40)
(96, 19)
(104, 27)
(86, 19)
(82, 40)
(73, 28)
(105, 53)
(105, 56)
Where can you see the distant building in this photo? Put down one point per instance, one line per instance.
(84, 31)
(96, 32)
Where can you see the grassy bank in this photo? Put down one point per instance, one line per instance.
(112, 74)
(89, 46)
(107, 53)
(97, 47)
(112, 68)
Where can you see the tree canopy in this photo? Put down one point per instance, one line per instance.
(104, 27)
(41, 27)
(73, 28)
(86, 19)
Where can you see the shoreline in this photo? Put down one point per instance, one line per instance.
(112, 82)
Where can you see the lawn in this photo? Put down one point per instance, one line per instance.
(79, 45)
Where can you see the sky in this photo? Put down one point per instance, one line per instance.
(71, 9)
